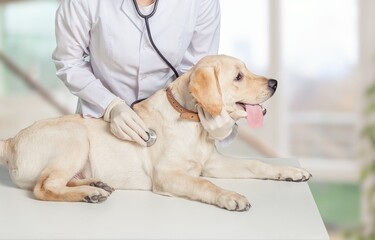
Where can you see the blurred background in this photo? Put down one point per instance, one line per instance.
(322, 52)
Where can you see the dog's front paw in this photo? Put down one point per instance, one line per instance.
(233, 201)
(292, 174)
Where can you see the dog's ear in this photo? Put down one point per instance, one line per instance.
(204, 87)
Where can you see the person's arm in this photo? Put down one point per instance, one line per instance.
(73, 27)
(205, 40)
(72, 38)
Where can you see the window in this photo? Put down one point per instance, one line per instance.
(320, 63)
(245, 32)
(312, 48)
(28, 40)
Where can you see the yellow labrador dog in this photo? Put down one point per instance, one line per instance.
(71, 158)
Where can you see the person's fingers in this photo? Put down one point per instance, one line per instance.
(200, 112)
(225, 113)
(133, 125)
(204, 114)
(238, 114)
(202, 118)
(117, 131)
(141, 124)
(133, 135)
(122, 131)
(208, 115)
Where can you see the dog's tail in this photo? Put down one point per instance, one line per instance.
(3, 152)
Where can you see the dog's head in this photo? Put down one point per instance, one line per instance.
(224, 83)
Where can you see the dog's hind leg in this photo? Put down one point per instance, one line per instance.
(90, 182)
(54, 185)
(57, 183)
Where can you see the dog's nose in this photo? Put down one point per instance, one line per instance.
(272, 83)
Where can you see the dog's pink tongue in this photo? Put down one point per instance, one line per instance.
(254, 115)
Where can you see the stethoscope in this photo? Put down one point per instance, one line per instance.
(152, 134)
(146, 17)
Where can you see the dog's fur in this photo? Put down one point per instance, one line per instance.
(69, 158)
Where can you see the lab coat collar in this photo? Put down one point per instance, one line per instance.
(128, 8)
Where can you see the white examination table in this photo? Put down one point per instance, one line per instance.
(280, 210)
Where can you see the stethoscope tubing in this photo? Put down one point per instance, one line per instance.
(146, 17)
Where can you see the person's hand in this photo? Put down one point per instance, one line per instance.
(125, 124)
(237, 114)
(218, 127)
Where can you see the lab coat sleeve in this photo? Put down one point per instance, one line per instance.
(72, 38)
(206, 36)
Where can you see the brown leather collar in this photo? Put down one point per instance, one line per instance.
(184, 113)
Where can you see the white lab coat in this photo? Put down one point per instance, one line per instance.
(122, 61)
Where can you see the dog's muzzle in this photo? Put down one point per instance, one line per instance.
(151, 138)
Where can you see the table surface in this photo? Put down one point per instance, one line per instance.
(280, 210)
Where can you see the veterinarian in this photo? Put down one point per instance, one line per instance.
(104, 56)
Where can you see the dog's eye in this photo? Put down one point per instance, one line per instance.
(239, 77)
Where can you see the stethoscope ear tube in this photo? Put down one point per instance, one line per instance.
(146, 17)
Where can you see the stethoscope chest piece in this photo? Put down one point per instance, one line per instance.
(151, 138)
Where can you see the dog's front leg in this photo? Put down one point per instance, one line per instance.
(179, 184)
(219, 166)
